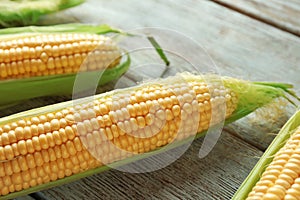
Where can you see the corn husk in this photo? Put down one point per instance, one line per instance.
(280, 140)
(251, 96)
(28, 12)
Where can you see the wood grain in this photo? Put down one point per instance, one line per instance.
(24, 198)
(280, 13)
(240, 47)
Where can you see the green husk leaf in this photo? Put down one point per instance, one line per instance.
(279, 141)
(255, 95)
(159, 50)
(60, 28)
(28, 12)
(251, 97)
(17, 90)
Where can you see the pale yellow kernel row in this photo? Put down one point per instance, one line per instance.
(105, 131)
(52, 39)
(281, 179)
(45, 57)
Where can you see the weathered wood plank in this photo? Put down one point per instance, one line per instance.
(260, 129)
(240, 46)
(280, 13)
(24, 198)
(217, 176)
(256, 51)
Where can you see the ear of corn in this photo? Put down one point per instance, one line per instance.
(27, 12)
(34, 60)
(277, 173)
(52, 145)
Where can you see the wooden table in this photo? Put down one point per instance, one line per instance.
(255, 40)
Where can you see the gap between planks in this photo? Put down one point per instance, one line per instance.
(234, 134)
(253, 16)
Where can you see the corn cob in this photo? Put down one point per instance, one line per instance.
(27, 12)
(277, 174)
(54, 54)
(40, 58)
(56, 144)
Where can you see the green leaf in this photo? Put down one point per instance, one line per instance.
(27, 12)
(159, 50)
(255, 95)
(14, 91)
(60, 28)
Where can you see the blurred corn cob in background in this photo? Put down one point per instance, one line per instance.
(28, 12)
(36, 61)
(45, 54)
(53, 145)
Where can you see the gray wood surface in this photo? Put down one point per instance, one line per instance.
(240, 47)
(280, 13)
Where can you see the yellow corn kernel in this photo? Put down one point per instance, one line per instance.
(281, 179)
(49, 146)
(50, 54)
